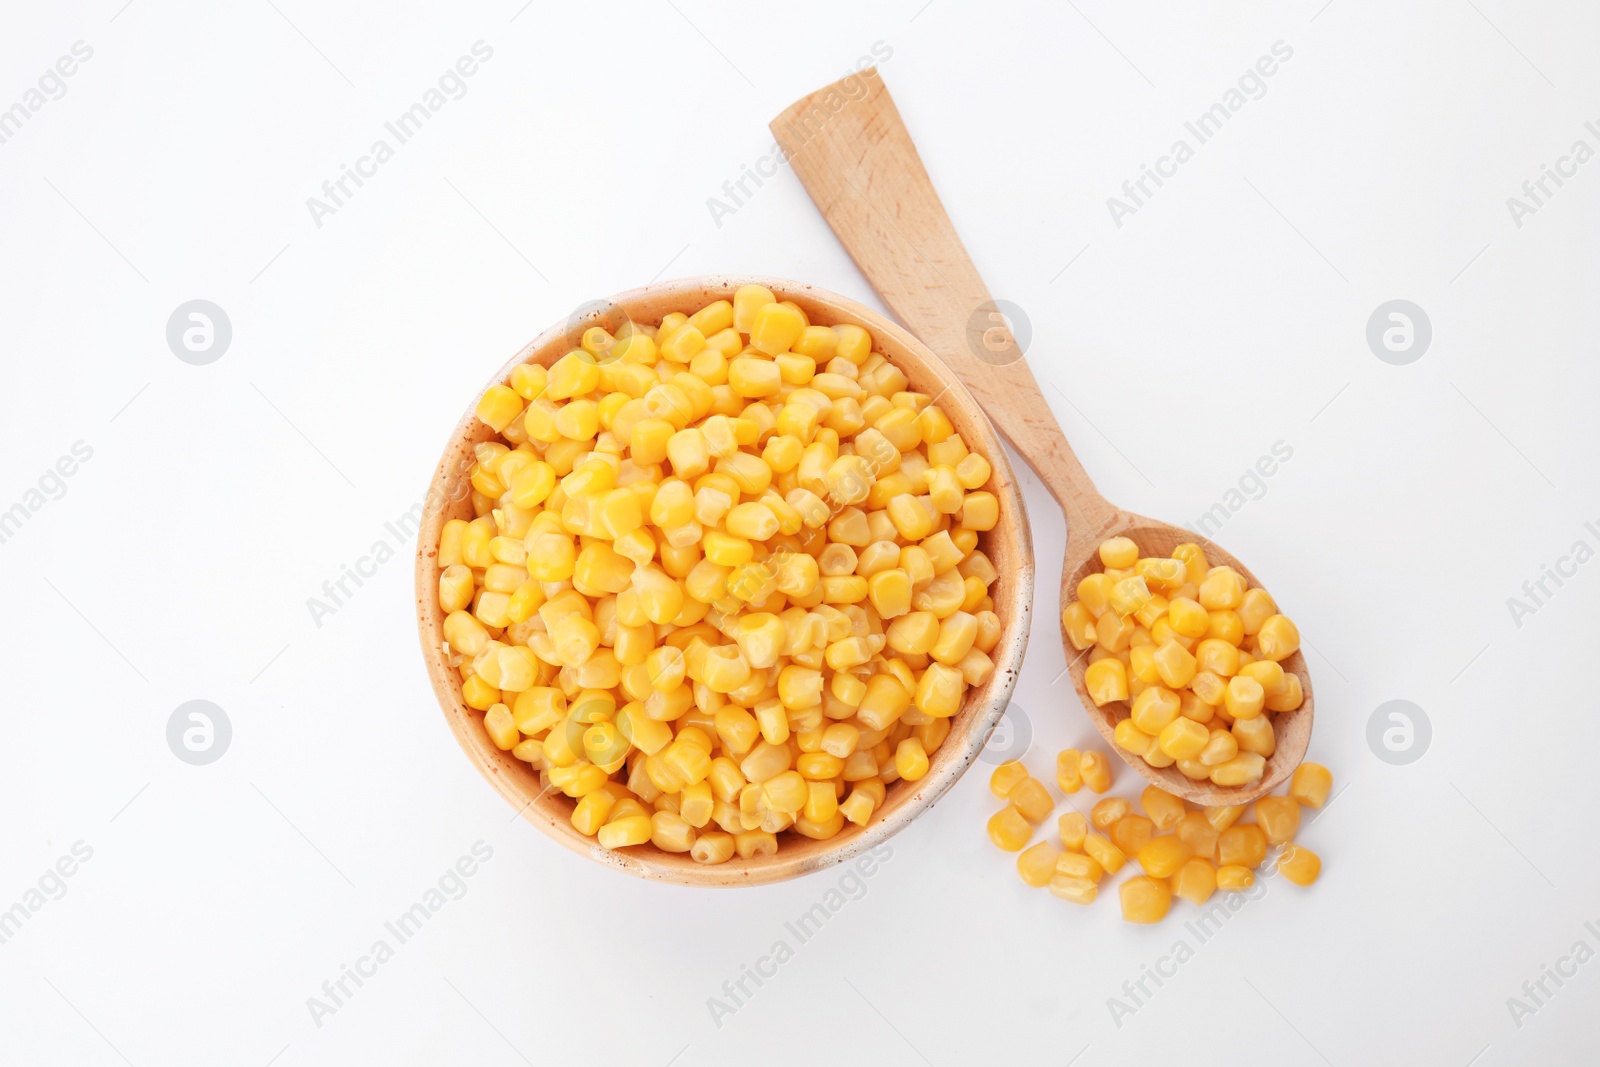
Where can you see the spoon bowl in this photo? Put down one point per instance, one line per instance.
(861, 168)
(1291, 728)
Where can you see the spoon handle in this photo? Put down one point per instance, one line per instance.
(854, 156)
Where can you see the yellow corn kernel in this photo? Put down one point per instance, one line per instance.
(956, 636)
(862, 802)
(574, 374)
(1243, 844)
(1163, 856)
(716, 847)
(1129, 595)
(1030, 798)
(1119, 552)
(1196, 831)
(910, 759)
(1174, 664)
(765, 761)
(939, 690)
(501, 728)
(1209, 688)
(1131, 833)
(1195, 880)
(1006, 776)
(819, 766)
(498, 407)
(1132, 739)
(1221, 747)
(1243, 769)
(1256, 608)
(1222, 589)
(590, 813)
(1094, 593)
(786, 792)
(1106, 854)
(800, 687)
(1144, 899)
(973, 471)
(1096, 772)
(1075, 890)
(1165, 810)
(1187, 618)
(822, 803)
(1278, 639)
(621, 833)
(1107, 681)
(1183, 739)
(725, 668)
(1114, 632)
(1106, 813)
(1300, 865)
(1311, 784)
(1077, 865)
(1069, 770)
(1255, 736)
(455, 587)
(1162, 573)
(1221, 818)
(1073, 828)
(1154, 709)
(1009, 830)
(752, 844)
(1244, 698)
(1232, 878)
(1036, 864)
(1225, 626)
(1079, 625)
(1289, 698)
(1279, 819)
(1268, 674)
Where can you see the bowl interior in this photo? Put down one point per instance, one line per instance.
(1007, 545)
(1291, 728)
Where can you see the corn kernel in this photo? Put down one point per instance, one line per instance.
(1009, 830)
(1096, 771)
(1243, 769)
(1104, 852)
(1164, 809)
(1106, 681)
(1030, 798)
(1195, 881)
(1311, 784)
(1131, 833)
(1073, 828)
(1233, 878)
(1300, 865)
(1278, 639)
(1119, 552)
(1069, 770)
(1279, 819)
(1005, 776)
(1036, 864)
(1144, 899)
(1197, 832)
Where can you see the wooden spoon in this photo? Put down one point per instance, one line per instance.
(852, 153)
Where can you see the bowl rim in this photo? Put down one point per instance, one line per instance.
(548, 811)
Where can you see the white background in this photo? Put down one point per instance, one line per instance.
(1227, 314)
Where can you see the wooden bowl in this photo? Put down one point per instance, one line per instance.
(1008, 546)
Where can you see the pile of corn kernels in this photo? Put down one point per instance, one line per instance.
(1184, 852)
(723, 580)
(1200, 656)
